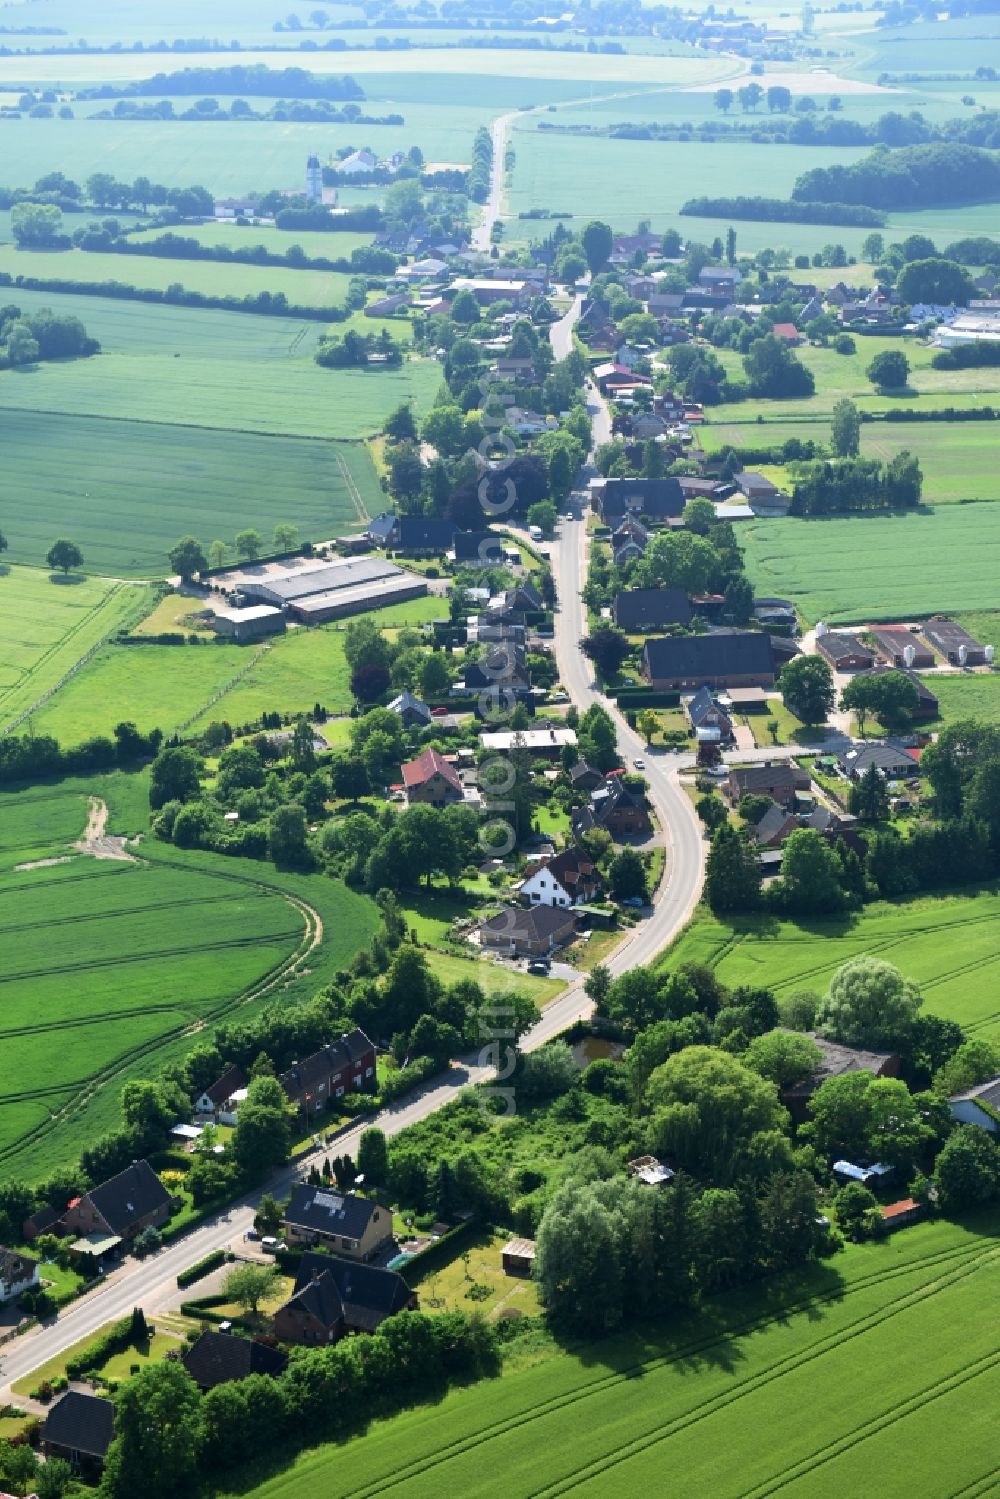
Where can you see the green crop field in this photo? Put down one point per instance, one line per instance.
(125, 491)
(957, 459)
(950, 945)
(47, 626)
(108, 964)
(878, 567)
(971, 695)
(304, 400)
(214, 278)
(763, 1392)
(276, 241)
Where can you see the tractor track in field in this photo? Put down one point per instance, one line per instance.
(968, 1258)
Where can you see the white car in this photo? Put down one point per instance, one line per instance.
(717, 772)
(639, 764)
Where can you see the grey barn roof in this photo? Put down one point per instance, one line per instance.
(712, 656)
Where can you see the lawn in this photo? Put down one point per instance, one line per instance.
(116, 1367)
(478, 1269)
(493, 978)
(124, 491)
(47, 626)
(109, 965)
(720, 1397)
(315, 242)
(950, 945)
(975, 695)
(214, 278)
(887, 567)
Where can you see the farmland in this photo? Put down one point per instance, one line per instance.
(711, 1396)
(47, 626)
(173, 686)
(153, 948)
(948, 944)
(125, 490)
(878, 567)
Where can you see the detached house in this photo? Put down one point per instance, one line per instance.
(355, 1227)
(781, 781)
(710, 721)
(430, 779)
(568, 879)
(615, 808)
(79, 1429)
(411, 711)
(535, 932)
(218, 1357)
(18, 1273)
(122, 1207)
(334, 1297)
(836, 1061)
(340, 1067)
(214, 1099)
(637, 610)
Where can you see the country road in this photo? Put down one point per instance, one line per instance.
(152, 1283)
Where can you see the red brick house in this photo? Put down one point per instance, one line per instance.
(122, 1207)
(431, 780)
(340, 1067)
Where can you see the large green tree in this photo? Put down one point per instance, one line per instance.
(64, 555)
(263, 1127)
(869, 1003)
(187, 558)
(716, 1117)
(865, 1118)
(733, 875)
(806, 685)
(597, 240)
(845, 430)
(158, 1434)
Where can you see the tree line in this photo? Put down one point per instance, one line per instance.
(911, 177)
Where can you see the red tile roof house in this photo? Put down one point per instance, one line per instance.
(430, 779)
(788, 332)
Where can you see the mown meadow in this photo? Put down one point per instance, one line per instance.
(949, 945)
(762, 1392)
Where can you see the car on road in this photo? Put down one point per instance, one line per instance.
(717, 772)
(639, 764)
(569, 515)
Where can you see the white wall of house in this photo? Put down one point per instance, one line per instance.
(543, 889)
(10, 1290)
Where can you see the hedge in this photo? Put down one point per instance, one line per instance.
(201, 1268)
(203, 1306)
(115, 1341)
(644, 697)
(438, 1254)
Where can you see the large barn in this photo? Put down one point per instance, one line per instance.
(331, 590)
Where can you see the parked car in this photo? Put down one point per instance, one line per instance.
(639, 764)
(633, 900)
(539, 966)
(269, 1244)
(717, 772)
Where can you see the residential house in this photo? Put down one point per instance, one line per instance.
(333, 1297)
(216, 1097)
(629, 541)
(122, 1207)
(528, 933)
(424, 536)
(568, 879)
(356, 1227)
(314, 1314)
(709, 720)
(502, 668)
(528, 423)
(836, 1061)
(780, 780)
(895, 764)
(219, 1357)
(626, 246)
(584, 777)
(720, 279)
(381, 530)
(788, 333)
(775, 827)
(616, 808)
(734, 658)
(979, 1105)
(956, 645)
(357, 161)
(431, 779)
(79, 1429)
(901, 647)
(658, 499)
(43, 1221)
(411, 712)
(488, 291)
(339, 1067)
(811, 311)
(515, 603)
(507, 368)
(481, 548)
(638, 610)
(844, 652)
(665, 303)
(18, 1273)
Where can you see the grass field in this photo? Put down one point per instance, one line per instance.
(950, 945)
(763, 1392)
(878, 567)
(47, 625)
(109, 965)
(974, 696)
(276, 241)
(956, 458)
(177, 686)
(213, 278)
(125, 491)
